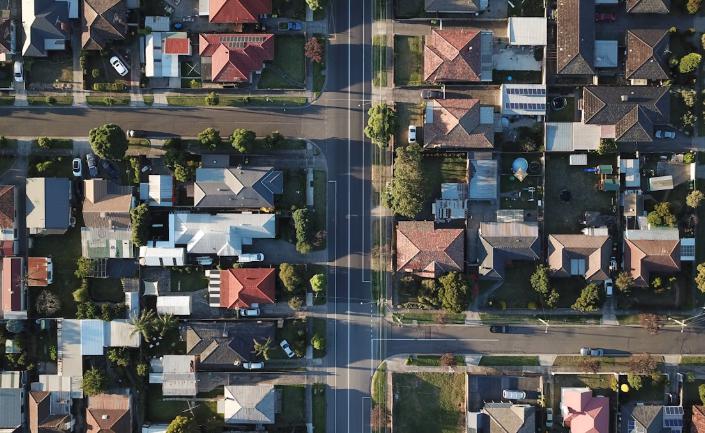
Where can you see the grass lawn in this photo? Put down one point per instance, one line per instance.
(106, 290)
(515, 292)
(379, 384)
(431, 317)
(569, 290)
(288, 70)
(651, 391)
(438, 170)
(6, 162)
(59, 166)
(564, 217)
(679, 294)
(294, 190)
(379, 60)
(294, 9)
(501, 361)
(692, 360)
(42, 100)
(429, 402)
(7, 100)
(159, 410)
(567, 114)
(319, 328)
(690, 392)
(293, 398)
(103, 101)
(182, 281)
(409, 9)
(238, 101)
(320, 186)
(514, 194)
(408, 60)
(432, 360)
(148, 99)
(53, 69)
(319, 407)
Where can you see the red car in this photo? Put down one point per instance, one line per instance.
(604, 17)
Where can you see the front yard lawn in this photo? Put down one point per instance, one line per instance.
(294, 190)
(288, 70)
(293, 400)
(44, 166)
(502, 361)
(189, 279)
(429, 402)
(678, 293)
(57, 68)
(652, 391)
(690, 392)
(408, 60)
(238, 101)
(160, 410)
(515, 291)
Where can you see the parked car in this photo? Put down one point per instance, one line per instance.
(665, 134)
(119, 67)
(605, 17)
(109, 169)
(92, 165)
(253, 365)
(77, 167)
(412, 133)
(18, 72)
(253, 311)
(136, 133)
(586, 351)
(609, 287)
(247, 258)
(294, 26)
(549, 417)
(431, 94)
(512, 394)
(499, 329)
(613, 264)
(286, 348)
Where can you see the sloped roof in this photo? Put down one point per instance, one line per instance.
(647, 417)
(249, 404)
(428, 251)
(48, 203)
(648, 6)
(452, 55)
(453, 6)
(584, 413)
(698, 421)
(5, 28)
(510, 418)
(38, 271)
(593, 251)
(47, 412)
(456, 124)
(12, 293)
(238, 11)
(7, 207)
(237, 187)
(220, 345)
(107, 205)
(43, 20)
(103, 21)
(575, 40)
(644, 256)
(646, 54)
(109, 413)
(11, 404)
(242, 287)
(504, 241)
(235, 56)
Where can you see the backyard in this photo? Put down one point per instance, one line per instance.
(515, 291)
(565, 114)
(429, 402)
(106, 290)
(515, 193)
(408, 60)
(189, 279)
(438, 170)
(160, 410)
(526, 8)
(288, 70)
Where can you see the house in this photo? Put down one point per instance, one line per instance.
(12, 402)
(106, 205)
(504, 242)
(457, 55)
(652, 418)
(162, 256)
(234, 11)
(647, 51)
(427, 251)
(49, 412)
(176, 374)
(648, 6)
(651, 251)
(697, 422)
(109, 413)
(249, 404)
(234, 57)
(158, 191)
(579, 255)
(46, 25)
(48, 205)
(6, 28)
(459, 123)
(162, 51)
(503, 418)
(40, 271)
(626, 113)
(575, 37)
(174, 305)
(243, 287)
(14, 291)
(222, 346)
(523, 99)
(103, 21)
(237, 187)
(584, 413)
(107, 243)
(527, 31)
(8, 220)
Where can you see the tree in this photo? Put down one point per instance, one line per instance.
(212, 99)
(689, 63)
(318, 341)
(93, 382)
(689, 97)
(694, 198)
(607, 145)
(318, 283)
(139, 217)
(243, 139)
(48, 303)
(261, 349)
(701, 393)
(164, 323)
(650, 322)
(313, 50)
(142, 369)
(643, 364)
(119, 356)
(448, 360)
(624, 282)
(290, 277)
(588, 300)
(661, 215)
(143, 324)
(614, 383)
(84, 267)
(635, 381)
(184, 172)
(209, 137)
(540, 283)
(693, 6)
(453, 292)
(108, 141)
(380, 124)
(316, 5)
(181, 424)
(552, 299)
(304, 230)
(295, 303)
(700, 277)
(406, 193)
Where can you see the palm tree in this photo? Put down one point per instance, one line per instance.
(262, 349)
(165, 323)
(144, 324)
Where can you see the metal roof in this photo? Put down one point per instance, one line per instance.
(174, 305)
(530, 31)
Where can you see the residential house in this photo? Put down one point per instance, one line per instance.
(697, 422)
(46, 25)
(626, 113)
(648, 6)
(237, 188)
(503, 418)
(176, 374)
(48, 205)
(162, 256)
(234, 57)
(234, 11)
(8, 220)
(457, 55)
(455, 6)
(523, 99)
(109, 413)
(242, 288)
(504, 242)
(103, 21)
(162, 51)
(647, 55)
(40, 271)
(249, 404)
(158, 191)
(14, 290)
(648, 252)
(580, 255)
(12, 402)
(427, 251)
(575, 37)
(584, 413)
(652, 418)
(527, 31)
(222, 346)
(458, 123)
(50, 412)
(106, 216)
(6, 28)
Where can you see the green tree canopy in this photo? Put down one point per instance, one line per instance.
(406, 193)
(139, 217)
(700, 277)
(694, 198)
(453, 292)
(108, 141)
(589, 299)
(181, 424)
(380, 124)
(303, 224)
(661, 216)
(290, 277)
(209, 137)
(635, 381)
(624, 282)
(243, 139)
(318, 342)
(316, 5)
(689, 63)
(318, 282)
(93, 382)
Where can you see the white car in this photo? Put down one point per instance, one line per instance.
(287, 349)
(609, 287)
(253, 311)
(253, 365)
(18, 72)
(666, 134)
(77, 167)
(119, 67)
(247, 258)
(412, 134)
(511, 394)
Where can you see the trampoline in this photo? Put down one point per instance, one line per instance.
(519, 168)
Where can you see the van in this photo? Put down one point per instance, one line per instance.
(511, 394)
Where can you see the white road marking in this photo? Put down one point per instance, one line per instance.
(349, 201)
(477, 340)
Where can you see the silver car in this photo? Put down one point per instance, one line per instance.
(287, 349)
(119, 67)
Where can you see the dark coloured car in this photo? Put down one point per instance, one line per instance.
(605, 17)
(499, 329)
(92, 162)
(431, 94)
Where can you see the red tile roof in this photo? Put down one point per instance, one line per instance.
(644, 256)
(12, 284)
(452, 55)
(427, 251)
(456, 124)
(698, 420)
(37, 271)
(238, 11)
(242, 287)
(109, 413)
(7, 207)
(176, 45)
(235, 56)
(586, 414)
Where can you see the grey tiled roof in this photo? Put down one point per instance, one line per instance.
(251, 187)
(220, 345)
(648, 6)
(646, 54)
(49, 15)
(501, 242)
(575, 45)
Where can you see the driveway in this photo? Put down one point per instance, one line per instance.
(279, 251)
(489, 388)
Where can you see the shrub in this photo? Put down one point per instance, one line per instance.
(142, 369)
(181, 424)
(661, 216)
(688, 96)
(689, 158)
(700, 277)
(635, 381)
(624, 282)
(48, 303)
(688, 119)
(50, 100)
(242, 140)
(45, 142)
(295, 303)
(701, 393)
(313, 50)
(93, 382)
(588, 300)
(304, 230)
(453, 292)
(84, 266)
(318, 342)
(212, 99)
(689, 63)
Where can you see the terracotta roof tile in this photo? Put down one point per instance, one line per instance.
(7, 207)
(698, 420)
(176, 45)
(238, 11)
(109, 413)
(428, 251)
(452, 55)
(12, 284)
(644, 256)
(456, 124)
(234, 57)
(242, 287)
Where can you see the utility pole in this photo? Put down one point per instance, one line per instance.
(680, 322)
(545, 322)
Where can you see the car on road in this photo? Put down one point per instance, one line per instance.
(291, 26)
(109, 169)
(499, 329)
(19, 72)
(77, 167)
(92, 162)
(586, 351)
(670, 135)
(253, 365)
(609, 287)
(136, 133)
(253, 311)
(512, 394)
(119, 67)
(605, 17)
(248, 258)
(431, 94)
(412, 134)
(286, 348)
(549, 417)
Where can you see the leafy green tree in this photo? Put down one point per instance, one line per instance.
(84, 267)
(165, 323)
(290, 277)
(209, 137)
(243, 139)
(406, 193)
(689, 97)
(607, 145)
(318, 342)
(689, 63)
(552, 299)
(318, 282)
(184, 172)
(119, 356)
(304, 230)
(695, 198)
(261, 349)
(624, 282)
(144, 324)
(693, 6)
(45, 142)
(93, 382)
(539, 280)
(181, 424)
(700, 277)
(661, 216)
(295, 303)
(381, 123)
(453, 292)
(212, 99)
(140, 219)
(635, 381)
(142, 369)
(589, 299)
(701, 393)
(108, 141)
(316, 5)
